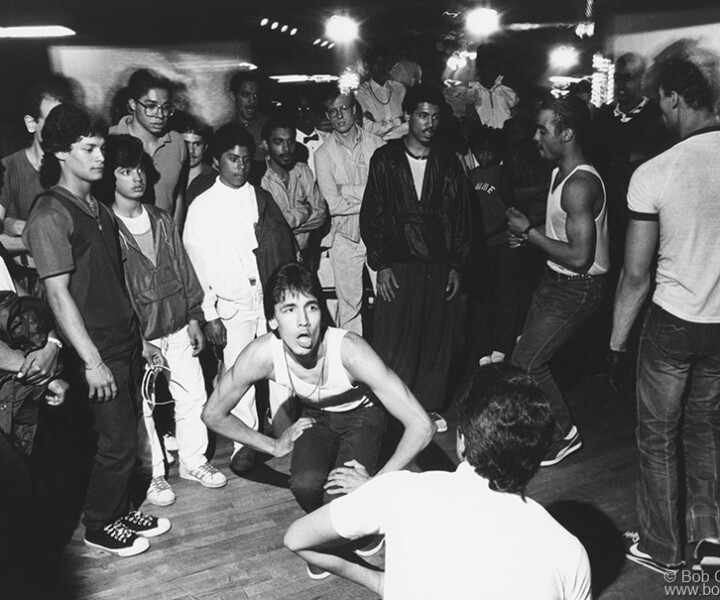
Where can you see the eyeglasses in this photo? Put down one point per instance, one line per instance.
(336, 112)
(154, 110)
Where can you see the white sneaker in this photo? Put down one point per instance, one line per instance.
(206, 475)
(160, 493)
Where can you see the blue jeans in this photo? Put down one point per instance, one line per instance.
(557, 311)
(678, 391)
(334, 438)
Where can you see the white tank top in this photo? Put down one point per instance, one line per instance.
(335, 392)
(556, 218)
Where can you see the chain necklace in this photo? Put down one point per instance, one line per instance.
(378, 99)
(317, 385)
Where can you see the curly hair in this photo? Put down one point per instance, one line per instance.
(507, 425)
(64, 126)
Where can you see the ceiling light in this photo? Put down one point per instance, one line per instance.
(317, 41)
(293, 31)
(324, 44)
(341, 29)
(304, 78)
(283, 29)
(564, 57)
(331, 46)
(36, 31)
(455, 61)
(482, 22)
(274, 25)
(264, 22)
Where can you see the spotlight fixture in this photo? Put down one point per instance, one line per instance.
(564, 57)
(36, 31)
(293, 31)
(317, 41)
(264, 22)
(283, 29)
(482, 22)
(341, 29)
(324, 44)
(274, 25)
(331, 45)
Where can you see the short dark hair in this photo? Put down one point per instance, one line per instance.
(64, 126)
(422, 92)
(507, 424)
(122, 151)
(276, 123)
(183, 122)
(144, 80)
(570, 113)
(682, 76)
(229, 136)
(245, 75)
(291, 278)
(55, 87)
(332, 93)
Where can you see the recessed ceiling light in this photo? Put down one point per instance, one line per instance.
(264, 22)
(36, 31)
(293, 31)
(274, 25)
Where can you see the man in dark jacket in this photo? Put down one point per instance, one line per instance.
(415, 222)
(235, 235)
(167, 298)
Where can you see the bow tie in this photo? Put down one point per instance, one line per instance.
(310, 138)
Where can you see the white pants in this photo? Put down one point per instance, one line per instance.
(243, 323)
(187, 388)
(347, 259)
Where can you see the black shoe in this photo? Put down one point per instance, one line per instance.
(631, 540)
(316, 572)
(145, 525)
(372, 546)
(242, 461)
(563, 448)
(707, 555)
(116, 539)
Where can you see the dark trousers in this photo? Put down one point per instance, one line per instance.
(334, 439)
(495, 302)
(678, 431)
(412, 333)
(557, 311)
(114, 472)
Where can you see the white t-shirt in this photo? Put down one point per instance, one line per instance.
(681, 188)
(141, 230)
(417, 168)
(487, 545)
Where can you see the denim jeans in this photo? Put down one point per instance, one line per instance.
(557, 311)
(678, 391)
(334, 438)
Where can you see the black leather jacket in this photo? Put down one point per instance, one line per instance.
(397, 228)
(166, 295)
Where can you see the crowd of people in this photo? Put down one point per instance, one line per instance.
(301, 277)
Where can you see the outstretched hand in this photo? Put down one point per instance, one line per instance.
(344, 480)
(285, 443)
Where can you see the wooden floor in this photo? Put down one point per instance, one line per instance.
(227, 544)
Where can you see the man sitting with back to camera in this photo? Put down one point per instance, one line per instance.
(495, 542)
(342, 385)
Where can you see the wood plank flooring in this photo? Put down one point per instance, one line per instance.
(227, 544)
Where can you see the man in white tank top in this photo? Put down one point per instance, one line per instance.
(341, 383)
(576, 241)
(674, 200)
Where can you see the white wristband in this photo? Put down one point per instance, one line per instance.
(57, 342)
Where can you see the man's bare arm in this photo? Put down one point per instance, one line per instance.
(313, 533)
(365, 366)
(634, 284)
(254, 364)
(580, 194)
(101, 382)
